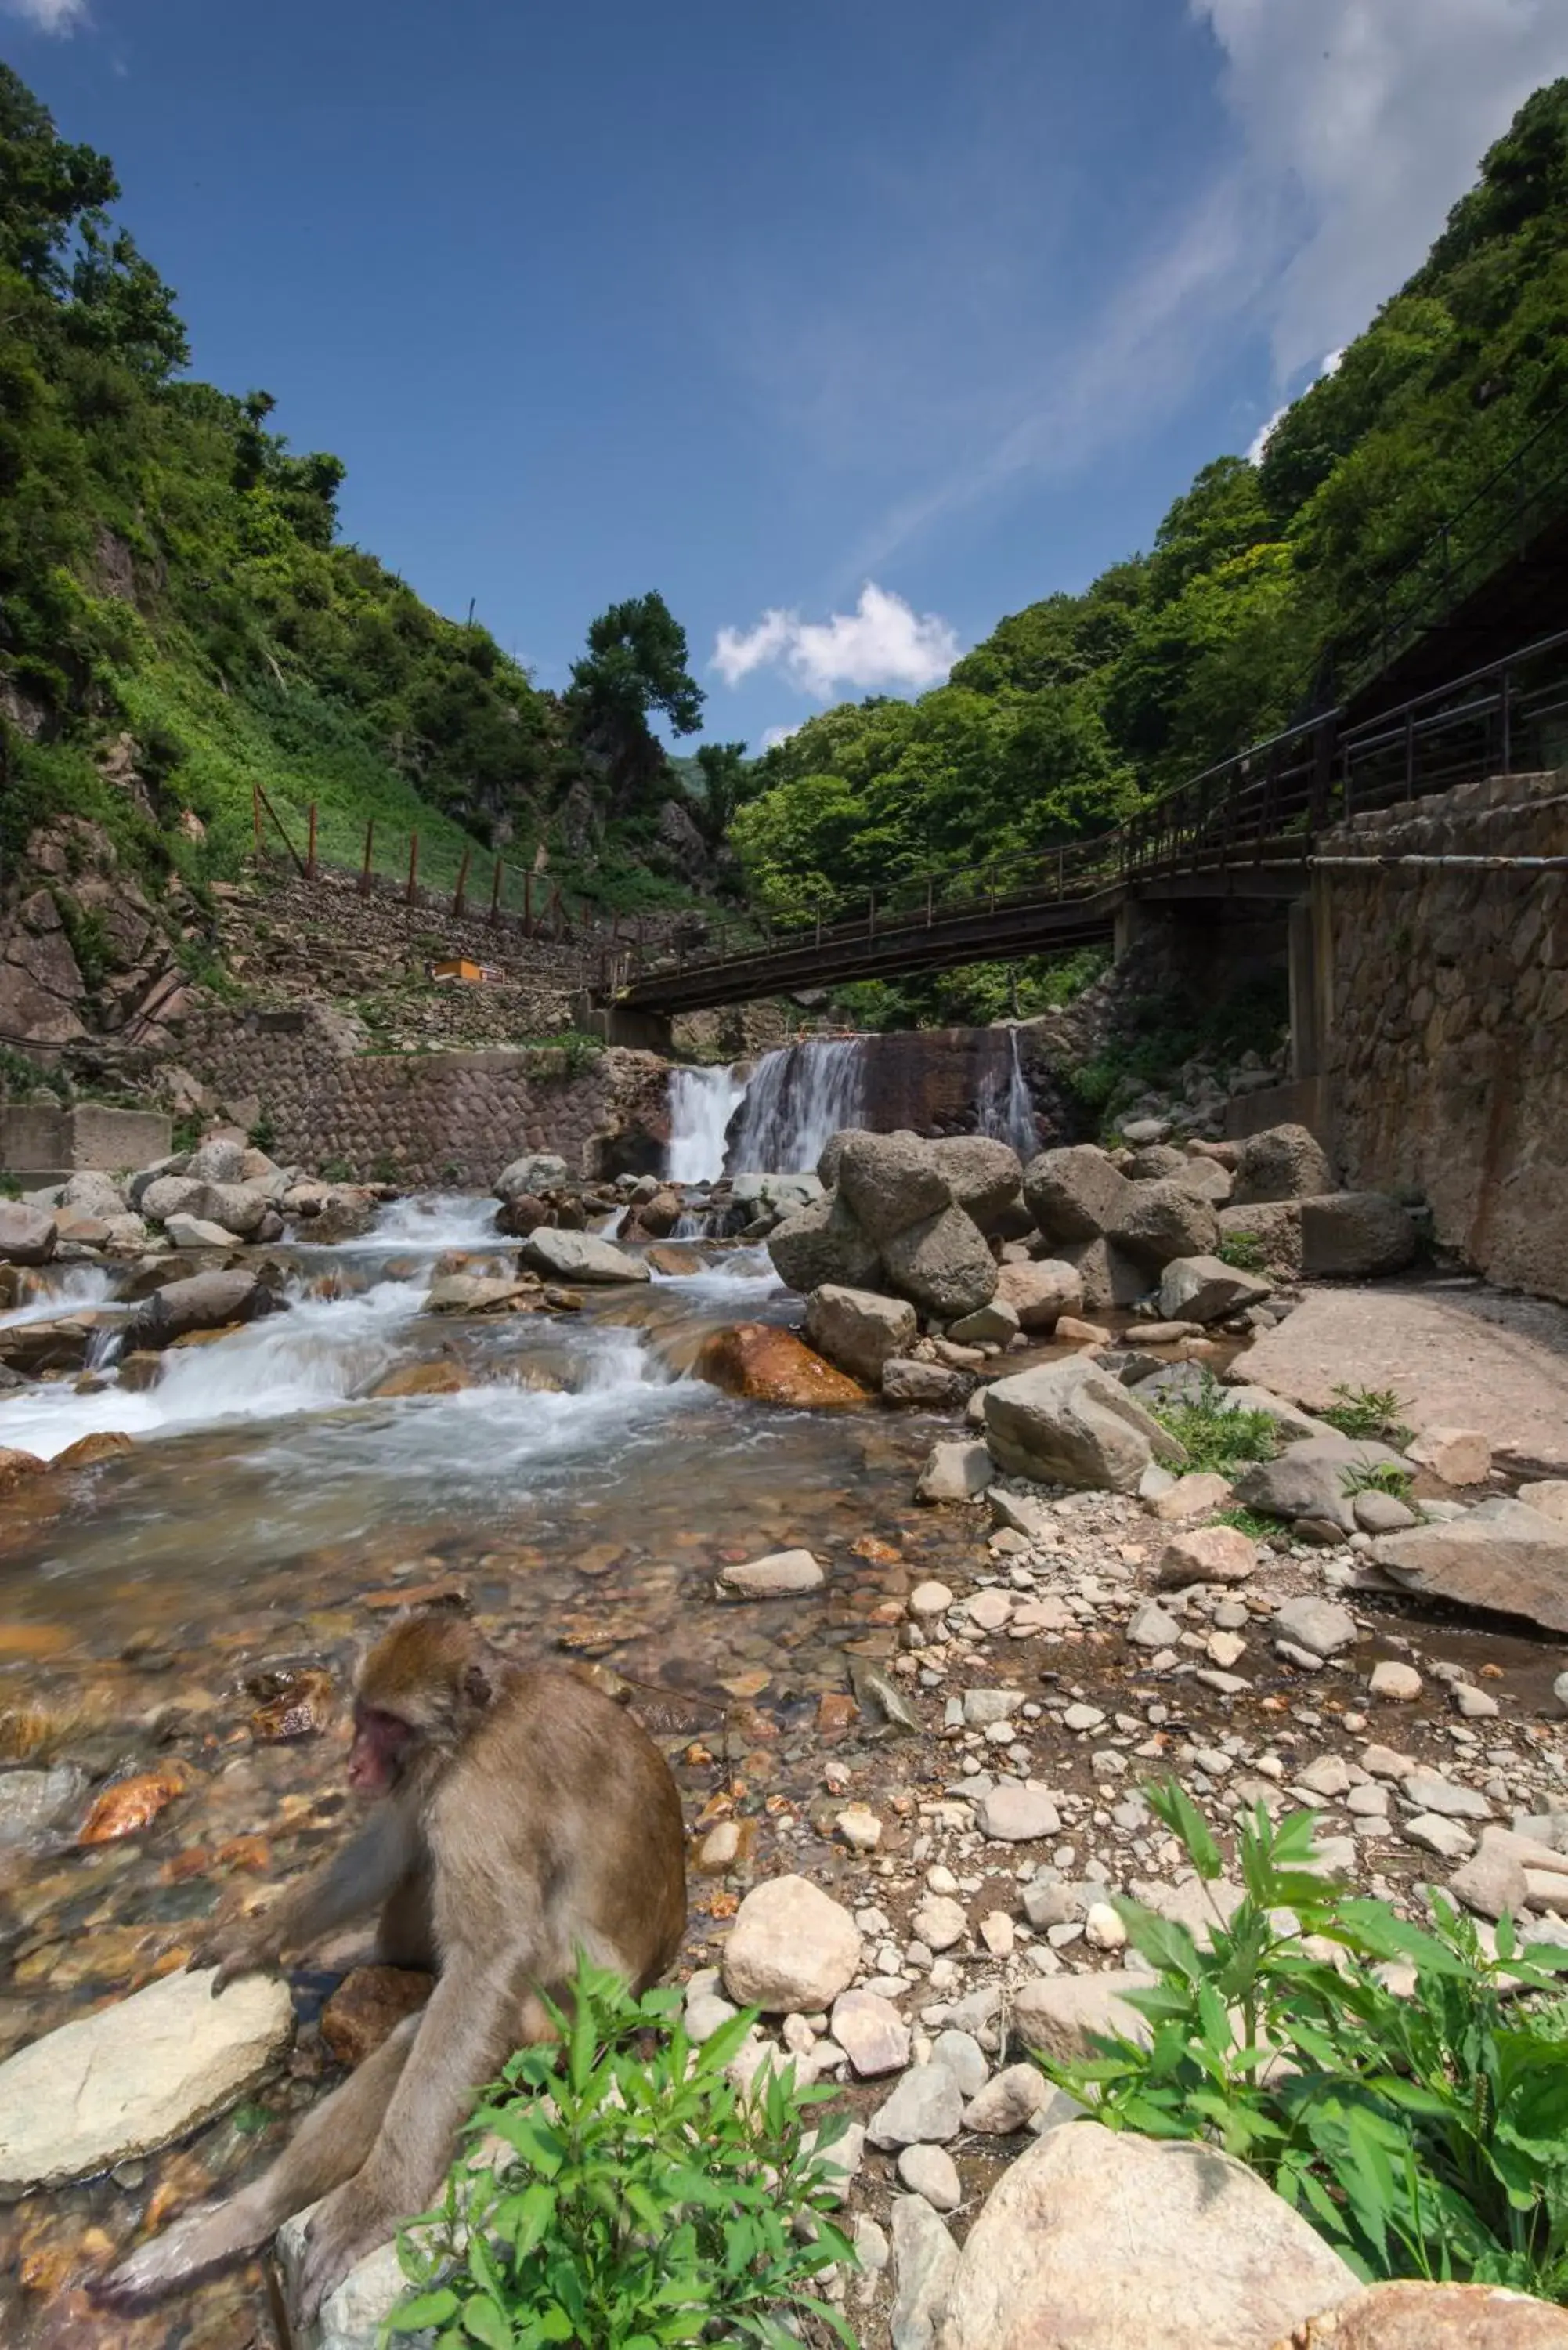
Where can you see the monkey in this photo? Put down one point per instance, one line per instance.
(519, 1816)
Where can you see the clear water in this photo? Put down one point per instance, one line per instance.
(798, 1098)
(702, 1104)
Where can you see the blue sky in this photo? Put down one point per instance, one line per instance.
(850, 325)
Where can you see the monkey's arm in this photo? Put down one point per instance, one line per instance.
(359, 1876)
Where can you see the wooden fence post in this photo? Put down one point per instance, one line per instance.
(461, 894)
(310, 852)
(364, 873)
(256, 818)
(413, 889)
(527, 904)
(496, 896)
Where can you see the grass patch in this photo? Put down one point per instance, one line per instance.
(645, 2201)
(1249, 1521)
(1214, 1435)
(1243, 1252)
(1422, 2137)
(1370, 1414)
(1380, 1477)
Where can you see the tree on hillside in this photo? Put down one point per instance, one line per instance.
(636, 663)
(729, 779)
(46, 186)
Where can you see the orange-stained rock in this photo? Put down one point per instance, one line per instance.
(1416, 2316)
(767, 1364)
(17, 1467)
(298, 1705)
(366, 2005)
(33, 1639)
(131, 1803)
(421, 1379)
(87, 1450)
(673, 1258)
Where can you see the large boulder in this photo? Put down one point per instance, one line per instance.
(222, 1161)
(1287, 1163)
(985, 1175)
(27, 1235)
(1108, 2241)
(580, 1257)
(859, 1329)
(792, 1948)
(1072, 1424)
(890, 1182)
(535, 1172)
(1074, 1194)
(1206, 1289)
(1355, 1235)
(205, 1301)
(1502, 1556)
(1040, 1291)
(238, 1208)
(1112, 1279)
(767, 1364)
(943, 1264)
(1410, 2314)
(822, 1243)
(92, 1193)
(1271, 1227)
(1159, 1221)
(1314, 1478)
(117, 2084)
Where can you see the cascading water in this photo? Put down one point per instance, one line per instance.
(1006, 1107)
(702, 1104)
(797, 1098)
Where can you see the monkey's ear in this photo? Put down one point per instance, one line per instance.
(476, 1686)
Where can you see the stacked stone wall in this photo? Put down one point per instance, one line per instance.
(1446, 1018)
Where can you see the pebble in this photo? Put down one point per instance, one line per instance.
(1153, 1628)
(1474, 1704)
(982, 1707)
(871, 2033)
(925, 2109)
(1400, 1683)
(1318, 1626)
(859, 1826)
(996, 1932)
(1103, 1929)
(931, 2171)
(1446, 1837)
(940, 1922)
(964, 2057)
(989, 1611)
(930, 1600)
(1008, 2103)
(1430, 1792)
(1017, 1811)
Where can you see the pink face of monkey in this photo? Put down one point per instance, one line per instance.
(379, 1752)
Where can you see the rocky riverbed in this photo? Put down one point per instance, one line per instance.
(914, 1730)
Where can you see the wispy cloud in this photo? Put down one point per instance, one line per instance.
(884, 642)
(772, 736)
(49, 16)
(1265, 431)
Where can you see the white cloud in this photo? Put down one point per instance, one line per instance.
(1265, 432)
(774, 736)
(882, 643)
(49, 16)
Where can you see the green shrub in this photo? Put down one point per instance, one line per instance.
(1424, 2136)
(1370, 1414)
(1379, 1477)
(1243, 1251)
(646, 2201)
(1213, 1435)
(1249, 1521)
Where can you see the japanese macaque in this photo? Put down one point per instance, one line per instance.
(522, 1816)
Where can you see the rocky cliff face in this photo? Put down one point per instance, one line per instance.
(85, 951)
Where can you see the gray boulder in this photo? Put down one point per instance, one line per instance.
(217, 1162)
(823, 1244)
(1502, 1556)
(1355, 1235)
(1074, 1194)
(239, 1207)
(929, 1386)
(1040, 1291)
(145, 1177)
(91, 1193)
(859, 1329)
(579, 1256)
(1274, 1225)
(1112, 1281)
(1159, 1221)
(1287, 1163)
(27, 1235)
(1072, 1424)
(942, 1265)
(1206, 1289)
(535, 1172)
(1310, 1478)
(985, 1177)
(196, 1232)
(891, 1182)
(203, 1301)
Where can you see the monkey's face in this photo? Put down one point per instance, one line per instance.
(383, 1746)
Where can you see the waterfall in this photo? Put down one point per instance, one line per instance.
(702, 1104)
(1005, 1105)
(796, 1099)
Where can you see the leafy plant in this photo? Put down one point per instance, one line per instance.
(1212, 1432)
(337, 1170)
(1422, 2136)
(1371, 1414)
(643, 2199)
(1243, 1251)
(1379, 1477)
(1249, 1521)
(263, 1132)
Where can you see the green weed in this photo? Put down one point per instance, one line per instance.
(1370, 1414)
(1243, 1252)
(1212, 1434)
(1379, 1477)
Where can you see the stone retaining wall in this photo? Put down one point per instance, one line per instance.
(1444, 1007)
(426, 1118)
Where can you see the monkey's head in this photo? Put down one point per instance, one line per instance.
(422, 1691)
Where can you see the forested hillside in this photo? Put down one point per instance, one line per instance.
(1256, 599)
(178, 616)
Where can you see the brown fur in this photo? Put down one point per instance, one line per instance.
(531, 1817)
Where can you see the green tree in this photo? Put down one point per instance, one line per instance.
(636, 663)
(47, 187)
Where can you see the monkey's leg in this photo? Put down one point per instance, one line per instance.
(406, 1936)
(329, 2146)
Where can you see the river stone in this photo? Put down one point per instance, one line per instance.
(994, 1326)
(964, 2057)
(1429, 1791)
(196, 1232)
(579, 1256)
(135, 2076)
(925, 2109)
(792, 1948)
(1157, 1222)
(1206, 1289)
(860, 1329)
(1207, 1554)
(1502, 1556)
(1275, 1225)
(1075, 1193)
(202, 1301)
(352, 2317)
(871, 2033)
(1548, 1497)
(767, 1364)
(31, 1802)
(956, 1470)
(1317, 1626)
(1410, 2314)
(1192, 1496)
(535, 1172)
(924, 2259)
(1382, 1513)
(1491, 1882)
(1040, 1291)
(1008, 2103)
(218, 1161)
(943, 1264)
(776, 1576)
(930, 1385)
(1072, 1424)
(890, 1182)
(823, 1244)
(1354, 1235)
(92, 1193)
(1308, 1478)
(984, 1176)
(1285, 1162)
(1112, 1279)
(1107, 2240)
(1062, 2014)
(474, 1293)
(1016, 1812)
